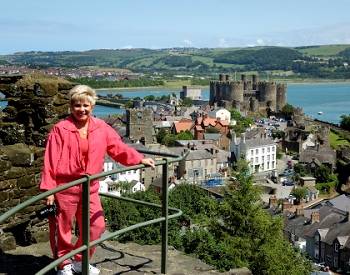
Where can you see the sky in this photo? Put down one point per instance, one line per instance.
(81, 25)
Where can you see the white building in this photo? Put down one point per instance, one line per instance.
(222, 113)
(259, 152)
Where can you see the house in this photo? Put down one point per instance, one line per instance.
(222, 113)
(202, 123)
(195, 164)
(314, 157)
(322, 231)
(259, 152)
(218, 139)
(183, 125)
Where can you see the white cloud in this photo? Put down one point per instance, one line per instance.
(223, 43)
(127, 47)
(188, 43)
(260, 42)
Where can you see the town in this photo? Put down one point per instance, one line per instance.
(285, 152)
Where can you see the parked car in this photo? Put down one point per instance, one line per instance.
(283, 175)
(287, 183)
(289, 163)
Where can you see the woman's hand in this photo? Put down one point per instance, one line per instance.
(148, 162)
(49, 200)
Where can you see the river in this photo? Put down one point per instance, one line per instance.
(333, 100)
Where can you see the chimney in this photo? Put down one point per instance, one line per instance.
(243, 138)
(285, 205)
(218, 119)
(315, 217)
(233, 137)
(205, 115)
(300, 211)
(272, 201)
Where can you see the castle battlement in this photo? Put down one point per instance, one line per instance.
(247, 94)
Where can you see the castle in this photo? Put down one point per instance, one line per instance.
(246, 95)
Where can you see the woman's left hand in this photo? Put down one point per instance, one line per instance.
(148, 162)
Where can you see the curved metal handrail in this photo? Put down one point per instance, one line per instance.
(86, 244)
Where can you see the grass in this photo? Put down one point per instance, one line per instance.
(335, 140)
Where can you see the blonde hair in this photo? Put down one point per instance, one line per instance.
(82, 93)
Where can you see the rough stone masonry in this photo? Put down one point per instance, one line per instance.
(35, 103)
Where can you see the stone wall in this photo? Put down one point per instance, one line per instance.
(35, 103)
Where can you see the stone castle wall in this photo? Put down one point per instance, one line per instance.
(246, 95)
(35, 103)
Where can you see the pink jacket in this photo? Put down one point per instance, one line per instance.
(62, 160)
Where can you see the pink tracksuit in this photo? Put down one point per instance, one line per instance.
(63, 164)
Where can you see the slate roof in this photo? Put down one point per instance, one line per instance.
(258, 142)
(197, 154)
(324, 154)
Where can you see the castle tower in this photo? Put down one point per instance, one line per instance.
(281, 99)
(228, 78)
(222, 77)
(255, 81)
(139, 125)
(268, 97)
(236, 93)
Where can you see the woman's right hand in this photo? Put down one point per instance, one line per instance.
(50, 200)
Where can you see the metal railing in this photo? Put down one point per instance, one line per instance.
(85, 181)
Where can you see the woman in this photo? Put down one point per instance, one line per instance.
(77, 146)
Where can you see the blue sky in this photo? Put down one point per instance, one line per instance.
(79, 25)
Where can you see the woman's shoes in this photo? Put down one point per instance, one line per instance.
(77, 267)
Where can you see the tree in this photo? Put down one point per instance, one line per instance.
(287, 111)
(322, 174)
(211, 129)
(235, 114)
(161, 135)
(246, 235)
(188, 102)
(299, 193)
(345, 122)
(299, 169)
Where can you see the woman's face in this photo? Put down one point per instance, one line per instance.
(81, 110)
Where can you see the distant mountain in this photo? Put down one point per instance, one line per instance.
(312, 61)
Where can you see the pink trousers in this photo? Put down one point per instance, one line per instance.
(69, 206)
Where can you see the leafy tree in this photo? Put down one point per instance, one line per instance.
(235, 114)
(161, 135)
(345, 122)
(299, 193)
(212, 129)
(287, 111)
(299, 169)
(279, 152)
(187, 102)
(246, 235)
(184, 135)
(322, 174)
(169, 140)
(129, 104)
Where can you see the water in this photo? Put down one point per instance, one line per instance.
(331, 99)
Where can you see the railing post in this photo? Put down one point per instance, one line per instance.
(165, 215)
(86, 226)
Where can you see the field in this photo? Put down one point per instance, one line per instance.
(335, 141)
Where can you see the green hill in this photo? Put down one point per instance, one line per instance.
(323, 61)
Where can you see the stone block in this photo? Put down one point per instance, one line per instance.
(19, 154)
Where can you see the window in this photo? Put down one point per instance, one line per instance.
(336, 247)
(262, 158)
(192, 163)
(273, 149)
(329, 257)
(256, 159)
(257, 151)
(252, 152)
(268, 157)
(263, 150)
(199, 163)
(212, 162)
(316, 253)
(268, 149)
(317, 238)
(205, 162)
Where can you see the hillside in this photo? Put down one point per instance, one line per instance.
(324, 61)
